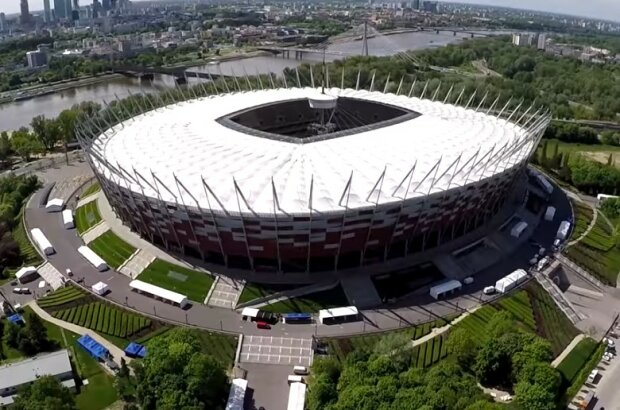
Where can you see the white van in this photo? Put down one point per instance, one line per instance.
(300, 370)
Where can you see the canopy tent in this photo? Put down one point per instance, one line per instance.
(135, 350)
(16, 319)
(100, 288)
(236, 396)
(41, 241)
(93, 258)
(26, 274)
(93, 347)
(158, 292)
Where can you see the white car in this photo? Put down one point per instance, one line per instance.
(489, 290)
(609, 342)
(69, 273)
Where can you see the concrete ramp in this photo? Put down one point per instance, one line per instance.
(450, 268)
(360, 291)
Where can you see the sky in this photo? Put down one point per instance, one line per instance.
(604, 9)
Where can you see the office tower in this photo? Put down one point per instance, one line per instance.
(76, 4)
(60, 11)
(96, 9)
(24, 15)
(68, 9)
(105, 5)
(47, 12)
(113, 4)
(36, 59)
(416, 5)
(2, 22)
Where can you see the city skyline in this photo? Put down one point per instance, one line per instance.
(602, 9)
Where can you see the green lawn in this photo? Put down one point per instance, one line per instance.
(29, 255)
(310, 303)
(253, 291)
(597, 252)
(61, 296)
(91, 190)
(112, 249)
(341, 347)
(100, 392)
(576, 359)
(87, 216)
(583, 217)
(597, 152)
(194, 284)
(119, 324)
(551, 322)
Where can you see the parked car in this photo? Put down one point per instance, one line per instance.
(263, 325)
(609, 342)
(489, 290)
(69, 273)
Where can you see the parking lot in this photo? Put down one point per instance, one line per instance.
(276, 350)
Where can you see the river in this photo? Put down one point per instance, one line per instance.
(19, 113)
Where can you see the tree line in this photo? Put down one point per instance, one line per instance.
(506, 358)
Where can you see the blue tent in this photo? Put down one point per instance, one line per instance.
(135, 350)
(16, 319)
(95, 349)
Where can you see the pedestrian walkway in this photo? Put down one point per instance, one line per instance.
(225, 292)
(567, 350)
(95, 232)
(90, 198)
(51, 275)
(115, 351)
(588, 229)
(582, 272)
(64, 189)
(136, 263)
(558, 296)
(440, 330)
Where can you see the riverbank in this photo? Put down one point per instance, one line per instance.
(37, 91)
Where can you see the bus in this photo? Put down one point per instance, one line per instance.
(338, 315)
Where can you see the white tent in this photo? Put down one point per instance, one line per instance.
(93, 258)
(100, 288)
(26, 274)
(41, 241)
(158, 292)
(55, 205)
(509, 282)
(67, 219)
(236, 396)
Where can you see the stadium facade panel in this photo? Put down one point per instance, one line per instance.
(246, 180)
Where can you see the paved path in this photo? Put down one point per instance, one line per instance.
(567, 350)
(115, 351)
(95, 232)
(90, 198)
(225, 293)
(136, 263)
(440, 330)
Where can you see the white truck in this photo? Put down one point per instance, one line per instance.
(563, 230)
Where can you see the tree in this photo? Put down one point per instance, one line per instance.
(176, 374)
(5, 148)
(46, 393)
(30, 339)
(47, 131)
(534, 397)
(24, 144)
(321, 393)
(462, 347)
(123, 383)
(66, 121)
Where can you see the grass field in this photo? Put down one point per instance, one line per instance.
(595, 152)
(100, 391)
(86, 217)
(112, 249)
(597, 252)
(341, 347)
(583, 217)
(253, 291)
(91, 190)
(61, 297)
(576, 359)
(105, 319)
(194, 284)
(551, 322)
(310, 303)
(519, 305)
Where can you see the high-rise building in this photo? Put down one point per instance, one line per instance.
(542, 42)
(36, 58)
(60, 9)
(68, 9)
(47, 12)
(430, 6)
(106, 5)
(24, 15)
(96, 9)
(2, 22)
(415, 5)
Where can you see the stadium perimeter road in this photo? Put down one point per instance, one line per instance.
(66, 243)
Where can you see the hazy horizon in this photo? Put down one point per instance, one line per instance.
(601, 9)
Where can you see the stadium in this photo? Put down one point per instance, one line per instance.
(310, 180)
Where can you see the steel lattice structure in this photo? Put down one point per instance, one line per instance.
(283, 216)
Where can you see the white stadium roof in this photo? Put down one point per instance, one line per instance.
(186, 141)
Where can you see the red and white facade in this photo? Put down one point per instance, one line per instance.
(181, 179)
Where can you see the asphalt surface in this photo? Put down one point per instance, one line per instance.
(422, 309)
